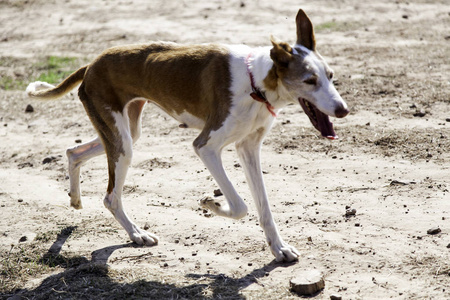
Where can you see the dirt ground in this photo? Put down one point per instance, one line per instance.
(391, 163)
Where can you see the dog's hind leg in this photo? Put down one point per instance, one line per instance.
(77, 156)
(118, 144)
(80, 154)
(135, 109)
(249, 150)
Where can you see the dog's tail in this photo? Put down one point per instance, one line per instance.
(44, 90)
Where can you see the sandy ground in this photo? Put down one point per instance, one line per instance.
(391, 164)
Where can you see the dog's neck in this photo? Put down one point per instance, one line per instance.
(260, 65)
(257, 94)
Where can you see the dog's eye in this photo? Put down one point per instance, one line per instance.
(311, 80)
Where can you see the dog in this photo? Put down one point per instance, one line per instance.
(231, 93)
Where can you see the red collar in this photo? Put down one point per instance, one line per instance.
(256, 93)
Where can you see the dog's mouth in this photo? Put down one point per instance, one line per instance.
(319, 120)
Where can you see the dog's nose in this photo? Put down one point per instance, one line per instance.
(341, 112)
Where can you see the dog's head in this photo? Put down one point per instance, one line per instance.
(307, 78)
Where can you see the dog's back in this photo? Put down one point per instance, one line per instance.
(178, 78)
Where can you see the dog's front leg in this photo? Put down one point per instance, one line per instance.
(235, 208)
(249, 152)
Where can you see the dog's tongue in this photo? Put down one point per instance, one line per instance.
(325, 126)
(319, 120)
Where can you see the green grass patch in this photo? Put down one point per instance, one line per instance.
(17, 73)
(54, 68)
(10, 83)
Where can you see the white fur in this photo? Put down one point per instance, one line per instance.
(190, 120)
(113, 201)
(77, 157)
(37, 86)
(325, 98)
(246, 125)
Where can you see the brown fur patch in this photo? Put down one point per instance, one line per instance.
(281, 55)
(178, 78)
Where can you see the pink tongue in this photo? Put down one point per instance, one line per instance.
(320, 121)
(324, 125)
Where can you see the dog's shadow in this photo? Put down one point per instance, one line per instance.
(87, 279)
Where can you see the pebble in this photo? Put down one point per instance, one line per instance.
(434, 230)
(50, 159)
(350, 212)
(23, 239)
(218, 193)
(29, 109)
(419, 114)
(335, 297)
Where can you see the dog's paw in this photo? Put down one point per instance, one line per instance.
(284, 252)
(209, 203)
(76, 205)
(142, 237)
(224, 210)
(75, 202)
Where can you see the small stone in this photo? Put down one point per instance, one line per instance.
(307, 283)
(335, 297)
(20, 200)
(48, 159)
(434, 230)
(217, 193)
(448, 246)
(419, 114)
(350, 212)
(146, 226)
(23, 239)
(29, 109)
(78, 141)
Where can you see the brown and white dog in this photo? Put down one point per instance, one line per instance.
(210, 87)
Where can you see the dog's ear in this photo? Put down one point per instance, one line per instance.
(281, 53)
(305, 31)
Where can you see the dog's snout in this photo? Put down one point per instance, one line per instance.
(341, 112)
